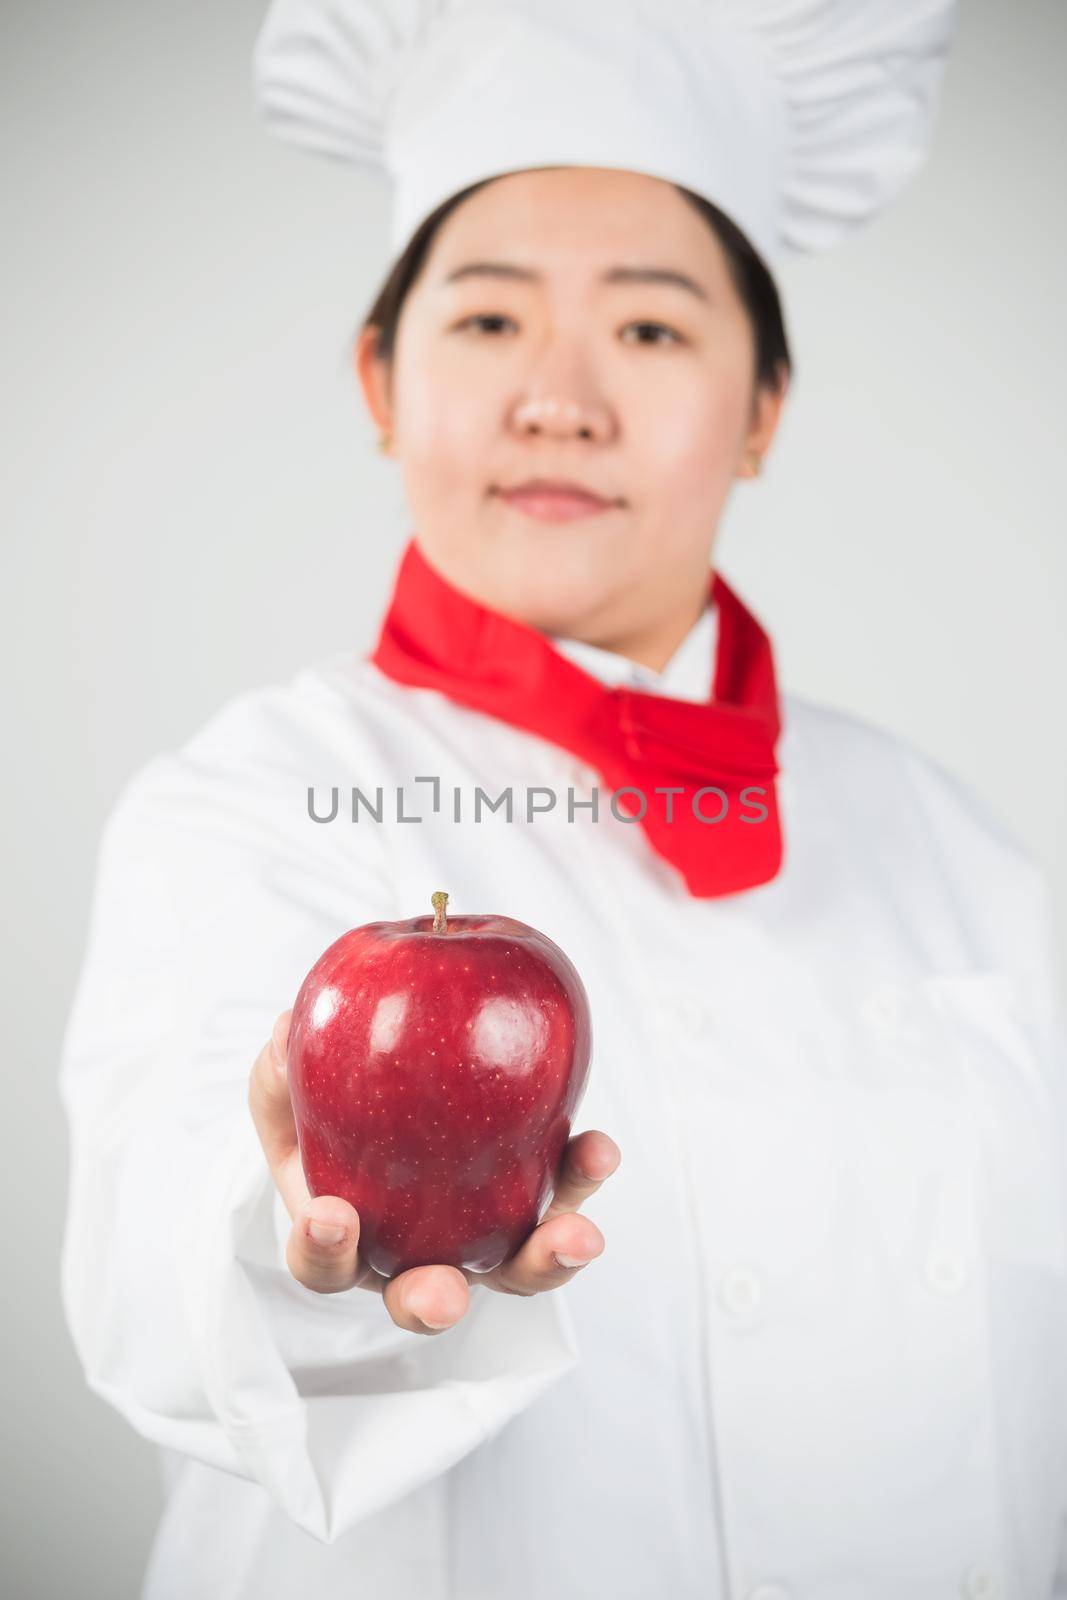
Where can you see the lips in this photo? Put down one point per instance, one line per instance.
(555, 499)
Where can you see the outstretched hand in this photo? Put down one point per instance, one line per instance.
(323, 1249)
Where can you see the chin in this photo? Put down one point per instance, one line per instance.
(538, 594)
(516, 577)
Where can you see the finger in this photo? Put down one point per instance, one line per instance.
(280, 1032)
(588, 1159)
(427, 1299)
(322, 1252)
(553, 1253)
(268, 1093)
(272, 1113)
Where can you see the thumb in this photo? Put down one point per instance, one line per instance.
(322, 1251)
(279, 1036)
(323, 1248)
(272, 1113)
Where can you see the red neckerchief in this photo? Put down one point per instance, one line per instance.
(437, 637)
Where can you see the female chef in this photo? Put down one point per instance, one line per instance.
(824, 1353)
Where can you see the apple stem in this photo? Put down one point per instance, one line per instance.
(439, 900)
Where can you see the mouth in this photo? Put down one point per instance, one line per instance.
(554, 499)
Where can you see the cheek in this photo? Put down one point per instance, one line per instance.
(431, 424)
(687, 442)
(688, 420)
(444, 416)
(444, 429)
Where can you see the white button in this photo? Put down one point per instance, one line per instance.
(946, 1273)
(980, 1584)
(740, 1291)
(768, 1591)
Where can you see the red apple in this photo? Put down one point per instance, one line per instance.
(434, 1067)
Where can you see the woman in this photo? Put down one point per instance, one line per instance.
(823, 1352)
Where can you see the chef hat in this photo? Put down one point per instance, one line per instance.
(799, 119)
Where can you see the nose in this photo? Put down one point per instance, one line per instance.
(561, 417)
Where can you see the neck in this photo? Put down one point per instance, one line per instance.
(654, 646)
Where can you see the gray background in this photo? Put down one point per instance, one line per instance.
(193, 505)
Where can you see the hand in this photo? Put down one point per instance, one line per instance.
(421, 1299)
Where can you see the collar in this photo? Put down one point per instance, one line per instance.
(686, 676)
(649, 748)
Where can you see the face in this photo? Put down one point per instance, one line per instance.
(573, 325)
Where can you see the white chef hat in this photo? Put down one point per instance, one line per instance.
(799, 119)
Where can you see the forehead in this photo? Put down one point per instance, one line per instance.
(570, 217)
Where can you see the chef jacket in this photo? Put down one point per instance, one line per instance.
(823, 1355)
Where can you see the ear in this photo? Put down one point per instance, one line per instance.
(766, 412)
(374, 376)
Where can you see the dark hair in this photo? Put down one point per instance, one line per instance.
(750, 276)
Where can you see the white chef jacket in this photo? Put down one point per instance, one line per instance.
(824, 1353)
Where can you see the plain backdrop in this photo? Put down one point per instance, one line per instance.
(193, 504)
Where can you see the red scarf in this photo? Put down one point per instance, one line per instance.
(437, 637)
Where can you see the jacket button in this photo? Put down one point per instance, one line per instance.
(739, 1291)
(946, 1274)
(980, 1584)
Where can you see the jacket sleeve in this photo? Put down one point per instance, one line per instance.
(214, 895)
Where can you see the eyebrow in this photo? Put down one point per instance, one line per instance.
(507, 269)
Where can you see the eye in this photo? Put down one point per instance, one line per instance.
(482, 317)
(657, 327)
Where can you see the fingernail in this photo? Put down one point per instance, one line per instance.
(427, 1322)
(572, 1261)
(323, 1233)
